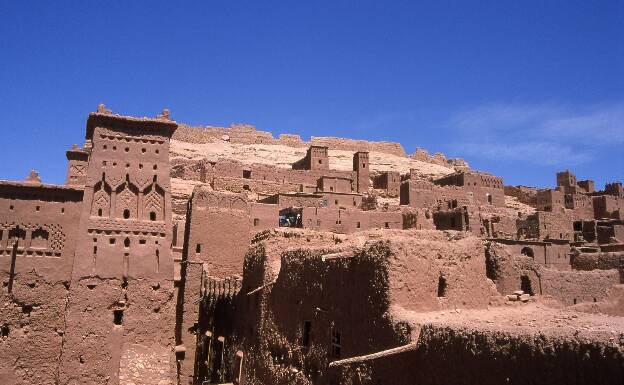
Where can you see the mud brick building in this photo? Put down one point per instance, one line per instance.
(198, 255)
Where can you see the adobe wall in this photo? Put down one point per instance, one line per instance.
(608, 207)
(187, 313)
(393, 268)
(389, 181)
(358, 145)
(571, 287)
(246, 134)
(553, 255)
(348, 221)
(35, 277)
(32, 318)
(44, 220)
(520, 272)
(221, 251)
(469, 355)
(599, 261)
(543, 225)
(525, 194)
(419, 260)
(275, 342)
(96, 350)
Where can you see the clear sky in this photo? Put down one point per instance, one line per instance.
(518, 88)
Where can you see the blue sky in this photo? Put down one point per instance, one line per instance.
(518, 88)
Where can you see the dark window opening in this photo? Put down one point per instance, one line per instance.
(94, 250)
(152, 216)
(4, 330)
(198, 248)
(336, 345)
(99, 212)
(37, 208)
(118, 317)
(489, 198)
(127, 242)
(320, 161)
(17, 233)
(575, 301)
(358, 225)
(441, 287)
(111, 241)
(307, 328)
(387, 225)
(246, 187)
(40, 233)
(256, 221)
(290, 217)
(528, 252)
(247, 174)
(142, 241)
(525, 285)
(126, 214)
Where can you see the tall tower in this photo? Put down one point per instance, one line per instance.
(566, 179)
(77, 160)
(121, 293)
(361, 167)
(318, 158)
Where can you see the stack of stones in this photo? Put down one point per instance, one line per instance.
(518, 295)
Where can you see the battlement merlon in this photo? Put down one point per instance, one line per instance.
(158, 126)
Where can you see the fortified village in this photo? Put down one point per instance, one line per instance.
(207, 255)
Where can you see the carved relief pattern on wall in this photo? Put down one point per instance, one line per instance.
(106, 224)
(131, 135)
(45, 236)
(154, 201)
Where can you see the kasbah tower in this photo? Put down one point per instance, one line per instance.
(123, 267)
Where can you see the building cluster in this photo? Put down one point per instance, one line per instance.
(269, 274)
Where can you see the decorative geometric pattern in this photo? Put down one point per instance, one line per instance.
(106, 224)
(105, 133)
(56, 236)
(154, 201)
